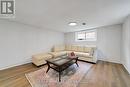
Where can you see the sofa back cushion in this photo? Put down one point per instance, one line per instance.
(87, 49)
(74, 48)
(80, 48)
(58, 48)
(68, 47)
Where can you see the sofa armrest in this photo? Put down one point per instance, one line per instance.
(39, 59)
(94, 55)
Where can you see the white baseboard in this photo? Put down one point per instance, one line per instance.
(113, 61)
(17, 64)
(117, 62)
(126, 68)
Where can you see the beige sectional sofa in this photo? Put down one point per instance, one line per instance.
(85, 53)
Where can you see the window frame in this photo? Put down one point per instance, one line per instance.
(87, 31)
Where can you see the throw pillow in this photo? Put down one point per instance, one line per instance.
(72, 54)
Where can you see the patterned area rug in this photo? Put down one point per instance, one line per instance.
(69, 78)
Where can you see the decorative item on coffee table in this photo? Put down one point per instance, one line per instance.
(72, 55)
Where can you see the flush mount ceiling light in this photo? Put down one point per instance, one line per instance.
(72, 24)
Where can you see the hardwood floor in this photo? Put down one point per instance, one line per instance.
(102, 74)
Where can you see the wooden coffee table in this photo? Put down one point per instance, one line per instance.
(61, 63)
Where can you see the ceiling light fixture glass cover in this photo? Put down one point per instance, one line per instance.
(72, 24)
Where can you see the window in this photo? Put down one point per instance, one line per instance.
(89, 35)
(81, 36)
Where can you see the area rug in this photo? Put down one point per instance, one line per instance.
(69, 78)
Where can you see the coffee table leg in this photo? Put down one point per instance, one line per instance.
(59, 76)
(48, 67)
(76, 62)
(59, 73)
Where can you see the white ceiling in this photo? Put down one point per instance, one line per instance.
(56, 14)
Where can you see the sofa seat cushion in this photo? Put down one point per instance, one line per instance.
(82, 54)
(86, 59)
(57, 54)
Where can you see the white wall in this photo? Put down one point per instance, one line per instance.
(126, 44)
(108, 43)
(18, 42)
